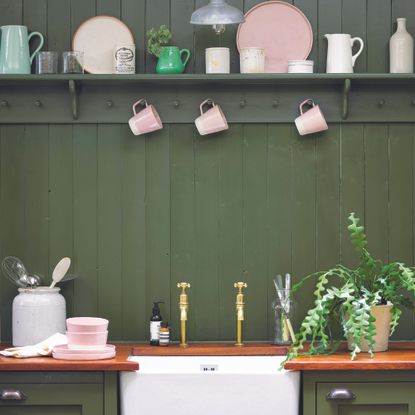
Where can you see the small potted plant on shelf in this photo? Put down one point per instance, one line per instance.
(367, 300)
(169, 57)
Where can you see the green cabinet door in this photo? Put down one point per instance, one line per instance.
(368, 399)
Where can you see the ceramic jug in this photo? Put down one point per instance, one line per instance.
(170, 60)
(339, 54)
(14, 49)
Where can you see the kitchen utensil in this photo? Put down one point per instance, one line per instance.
(145, 121)
(311, 121)
(252, 60)
(85, 340)
(73, 62)
(217, 60)
(211, 121)
(170, 60)
(87, 324)
(401, 49)
(339, 53)
(60, 270)
(124, 59)
(14, 49)
(96, 37)
(46, 63)
(64, 353)
(15, 271)
(300, 66)
(281, 29)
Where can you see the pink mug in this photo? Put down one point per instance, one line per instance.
(211, 121)
(145, 121)
(311, 121)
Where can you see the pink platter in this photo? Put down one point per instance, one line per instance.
(281, 29)
(62, 352)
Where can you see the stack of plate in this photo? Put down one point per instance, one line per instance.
(87, 340)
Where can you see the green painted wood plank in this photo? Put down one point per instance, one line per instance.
(135, 313)
(133, 15)
(109, 7)
(255, 230)
(109, 228)
(206, 293)
(401, 207)
(376, 189)
(158, 221)
(310, 9)
(378, 33)
(329, 21)
(157, 14)
(352, 186)
(231, 205)
(59, 26)
(85, 221)
(182, 219)
(354, 22)
(11, 12)
(61, 203)
(248, 4)
(304, 214)
(12, 200)
(328, 198)
(279, 209)
(183, 31)
(36, 215)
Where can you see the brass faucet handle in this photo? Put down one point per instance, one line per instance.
(183, 286)
(240, 285)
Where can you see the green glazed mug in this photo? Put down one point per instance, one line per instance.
(170, 60)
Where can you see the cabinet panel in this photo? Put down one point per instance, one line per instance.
(41, 410)
(371, 398)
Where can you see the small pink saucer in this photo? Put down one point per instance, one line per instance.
(64, 353)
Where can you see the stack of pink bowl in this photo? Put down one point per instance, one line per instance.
(87, 340)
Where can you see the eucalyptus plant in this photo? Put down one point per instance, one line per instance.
(352, 298)
(156, 38)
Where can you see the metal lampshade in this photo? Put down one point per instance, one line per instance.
(218, 14)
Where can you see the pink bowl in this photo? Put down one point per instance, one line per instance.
(86, 340)
(86, 324)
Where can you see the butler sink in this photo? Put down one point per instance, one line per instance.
(210, 385)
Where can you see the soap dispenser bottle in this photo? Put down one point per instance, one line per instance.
(155, 323)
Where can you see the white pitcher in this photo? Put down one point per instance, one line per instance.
(339, 54)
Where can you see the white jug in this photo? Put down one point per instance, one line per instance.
(339, 54)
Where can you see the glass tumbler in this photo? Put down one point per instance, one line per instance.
(73, 62)
(283, 311)
(46, 63)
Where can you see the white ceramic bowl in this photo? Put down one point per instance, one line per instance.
(85, 340)
(86, 324)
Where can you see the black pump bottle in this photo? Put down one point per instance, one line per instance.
(155, 322)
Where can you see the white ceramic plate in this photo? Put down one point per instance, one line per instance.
(97, 38)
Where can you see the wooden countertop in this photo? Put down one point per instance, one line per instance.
(119, 362)
(400, 356)
(210, 349)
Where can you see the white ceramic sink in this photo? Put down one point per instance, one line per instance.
(209, 385)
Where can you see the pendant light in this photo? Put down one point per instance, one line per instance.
(217, 14)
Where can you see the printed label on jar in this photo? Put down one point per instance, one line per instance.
(124, 59)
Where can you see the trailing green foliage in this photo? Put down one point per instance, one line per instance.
(371, 283)
(156, 39)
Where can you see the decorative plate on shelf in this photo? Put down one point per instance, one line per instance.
(281, 29)
(97, 38)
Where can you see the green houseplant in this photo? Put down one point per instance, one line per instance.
(355, 300)
(169, 57)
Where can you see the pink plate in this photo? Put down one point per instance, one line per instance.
(281, 29)
(64, 353)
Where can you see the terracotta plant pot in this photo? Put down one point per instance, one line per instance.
(383, 316)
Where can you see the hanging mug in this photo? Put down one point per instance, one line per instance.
(311, 121)
(145, 121)
(211, 121)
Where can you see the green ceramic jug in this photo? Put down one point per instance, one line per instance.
(170, 60)
(15, 57)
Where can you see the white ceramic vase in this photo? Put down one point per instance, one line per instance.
(401, 49)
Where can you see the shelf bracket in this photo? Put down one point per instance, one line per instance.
(346, 92)
(73, 93)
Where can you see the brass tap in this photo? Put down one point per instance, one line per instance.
(239, 311)
(184, 307)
